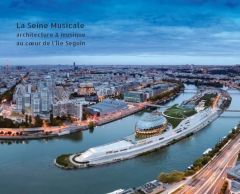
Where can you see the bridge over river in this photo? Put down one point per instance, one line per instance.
(157, 105)
(232, 110)
(162, 106)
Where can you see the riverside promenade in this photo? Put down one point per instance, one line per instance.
(49, 132)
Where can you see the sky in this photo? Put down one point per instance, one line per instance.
(145, 32)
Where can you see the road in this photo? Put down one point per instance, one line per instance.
(210, 179)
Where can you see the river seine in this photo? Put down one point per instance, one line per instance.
(28, 168)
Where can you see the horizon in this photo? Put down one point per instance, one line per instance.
(121, 65)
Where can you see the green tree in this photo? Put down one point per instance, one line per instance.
(30, 119)
(26, 118)
(51, 119)
(91, 125)
(38, 121)
(174, 176)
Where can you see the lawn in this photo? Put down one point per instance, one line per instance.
(176, 114)
(63, 161)
(179, 112)
(208, 99)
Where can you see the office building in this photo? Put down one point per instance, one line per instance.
(134, 96)
(107, 106)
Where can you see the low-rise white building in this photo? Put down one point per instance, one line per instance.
(73, 108)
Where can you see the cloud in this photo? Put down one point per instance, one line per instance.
(137, 27)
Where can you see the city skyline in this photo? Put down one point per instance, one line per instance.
(136, 32)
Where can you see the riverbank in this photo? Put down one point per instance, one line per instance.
(223, 155)
(120, 115)
(52, 132)
(41, 133)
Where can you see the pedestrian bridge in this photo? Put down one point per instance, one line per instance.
(157, 105)
(190, 91)
(232, 110)
(229, 116)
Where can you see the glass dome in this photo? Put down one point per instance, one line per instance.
(150, 122)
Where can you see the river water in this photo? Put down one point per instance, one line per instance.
(28, 168)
